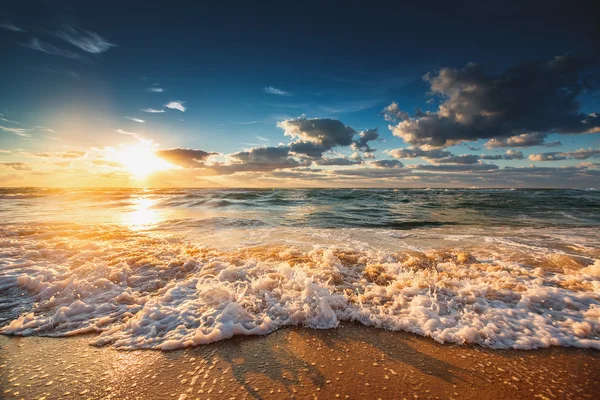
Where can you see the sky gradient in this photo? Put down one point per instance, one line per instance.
(317, 94)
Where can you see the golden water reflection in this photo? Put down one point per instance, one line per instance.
(142, 213)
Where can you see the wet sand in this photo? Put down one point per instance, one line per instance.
(351, 362)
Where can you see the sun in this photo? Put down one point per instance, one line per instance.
(141, 161)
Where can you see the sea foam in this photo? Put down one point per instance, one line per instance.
(140, 289)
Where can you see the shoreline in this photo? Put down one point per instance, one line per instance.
(352, 361)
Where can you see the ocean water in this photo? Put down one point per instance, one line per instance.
(170, 268)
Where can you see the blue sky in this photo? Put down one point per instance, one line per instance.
(82, 76)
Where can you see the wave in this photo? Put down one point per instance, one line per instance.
(155, 291)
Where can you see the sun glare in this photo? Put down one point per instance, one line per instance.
(141, 161)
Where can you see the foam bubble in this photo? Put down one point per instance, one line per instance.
(144, 290)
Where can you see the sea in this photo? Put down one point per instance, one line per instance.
(171, 268)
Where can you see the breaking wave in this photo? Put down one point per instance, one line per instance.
(157, 289)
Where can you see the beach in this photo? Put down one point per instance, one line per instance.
(350, 362)
(189, 293)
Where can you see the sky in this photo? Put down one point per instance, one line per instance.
(311, 94)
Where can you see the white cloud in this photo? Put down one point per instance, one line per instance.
(36, 44)
(11, 27)
(176, 105)
(136, 119)
(246, 123)
(275, 91)
(155, 89)
(153, 110)
(135, 135)
(16, 131)
(85, 40)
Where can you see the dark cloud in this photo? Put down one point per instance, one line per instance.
(316, 136)
(263, 155)
(373, 173)
(417, 152)
(387, 164)
(260, 159)
(464, 159)
(362, 143)
(189, 158)
(492, 157)
(527, 98)
(309, 149)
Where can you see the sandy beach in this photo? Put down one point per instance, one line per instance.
(351, 362)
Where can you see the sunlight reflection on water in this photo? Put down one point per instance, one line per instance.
(142, 214)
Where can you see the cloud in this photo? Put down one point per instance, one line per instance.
(141, 121)
(176, 105)
(87, 41)
(362, 143)
(135, 135)
(152, 110)
(18, 166)
(275, 91)
(259, 159)
(36, 44)
(10, 27)
(317, 135)
(393, 113)
(536, 97)
(553, 144)
(188, 158)
(581, 154)
(373, 173)
(350, 107)
(338, 161)
(71, 154)
(246, 122)
(155, 89)
(387, 164)
(107, 163)
(439, 156)
(509, 155)
(464, 159)
(265, 155)
(418, 152)
(513, 155)
(454, 167)
(547, 157)
(22, 132)
(523, 140)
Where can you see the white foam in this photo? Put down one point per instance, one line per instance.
(163, 292)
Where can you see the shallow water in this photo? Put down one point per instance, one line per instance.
(172, 268)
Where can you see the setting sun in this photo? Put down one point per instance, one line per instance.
(141, 161)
